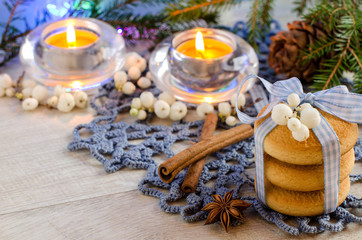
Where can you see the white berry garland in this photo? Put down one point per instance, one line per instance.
(299, 118)
(165, 105)
(33, 95)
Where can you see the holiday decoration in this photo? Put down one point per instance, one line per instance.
(323, 47)
(77, 53)
(203, 65)
(298, 118)
(32, 95)
(341, 111)
(225, 209)
(285, 51)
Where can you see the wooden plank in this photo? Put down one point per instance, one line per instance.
(131, 215)
(36, 167)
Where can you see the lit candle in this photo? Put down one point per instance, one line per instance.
(78, 53)
(204, 48)
(72, 38)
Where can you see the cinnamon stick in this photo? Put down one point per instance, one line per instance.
(170, 168)
(195, 169)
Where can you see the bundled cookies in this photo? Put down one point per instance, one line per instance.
(294, 170)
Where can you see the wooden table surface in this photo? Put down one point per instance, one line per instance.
(48, 192)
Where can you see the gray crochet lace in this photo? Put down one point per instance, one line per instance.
(111, 138)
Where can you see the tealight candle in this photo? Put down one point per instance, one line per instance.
(202, 65)
(201, 48)
(72, 38)
(78, 53)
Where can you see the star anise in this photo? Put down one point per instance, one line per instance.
(225, 209)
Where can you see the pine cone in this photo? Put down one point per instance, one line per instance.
(285, 56)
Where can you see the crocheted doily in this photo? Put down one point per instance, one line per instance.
(229, 170)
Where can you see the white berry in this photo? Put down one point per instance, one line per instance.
(59, 90)
(203, 109)
(10, 92)
(66, 102)
(30, 104)
(301, 134)
(310, 117)
(27, 92)
(230, 121)
(133, 112)
(147, 99)
(131, 60)
(178, 111)
(81, 99)
(293, 124)
(2, 92)
(52, 102)
(144, 82)
(165, 96)
(281, 113)
(141, 64)
(303, 106)
(28, 83)
(120, 78)
(141, 115)
(241, 100)
(134, 73)
(136, 103)
(148, 75)
(128, 88)
(293, 100)
(39, 93)
(5, 81)
(162, 109)
(224, 109)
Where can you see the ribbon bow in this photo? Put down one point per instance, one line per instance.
(336, 101)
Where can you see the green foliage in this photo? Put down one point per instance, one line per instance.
(259, 20)
(341, 50)
(301, 5)
(9, 41)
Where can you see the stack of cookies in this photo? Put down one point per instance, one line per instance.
(294, 171)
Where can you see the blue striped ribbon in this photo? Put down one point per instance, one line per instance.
(336, 101)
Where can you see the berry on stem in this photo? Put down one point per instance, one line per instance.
(301, 134)
(162, 109)
(281, 113)
(310, 117)
(30, 104)
(203, 109)
(178, 111)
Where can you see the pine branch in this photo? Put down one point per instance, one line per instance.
(319, 49)
(198, 6)
(335, 69)
(356, 58)
(301, 6)
(266, 7)
(9, 21)
(195, 9)
(252, 25)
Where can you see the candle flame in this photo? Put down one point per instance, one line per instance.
(71, 36)
(208, 99)
(76, 84)
(200, 47)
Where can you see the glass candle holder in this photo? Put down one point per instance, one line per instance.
(198, 79)
(91, 59)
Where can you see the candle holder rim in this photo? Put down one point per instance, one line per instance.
(45, 35)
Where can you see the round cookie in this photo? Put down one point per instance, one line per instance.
(300, 204)
(303, 178)
(280, 144)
